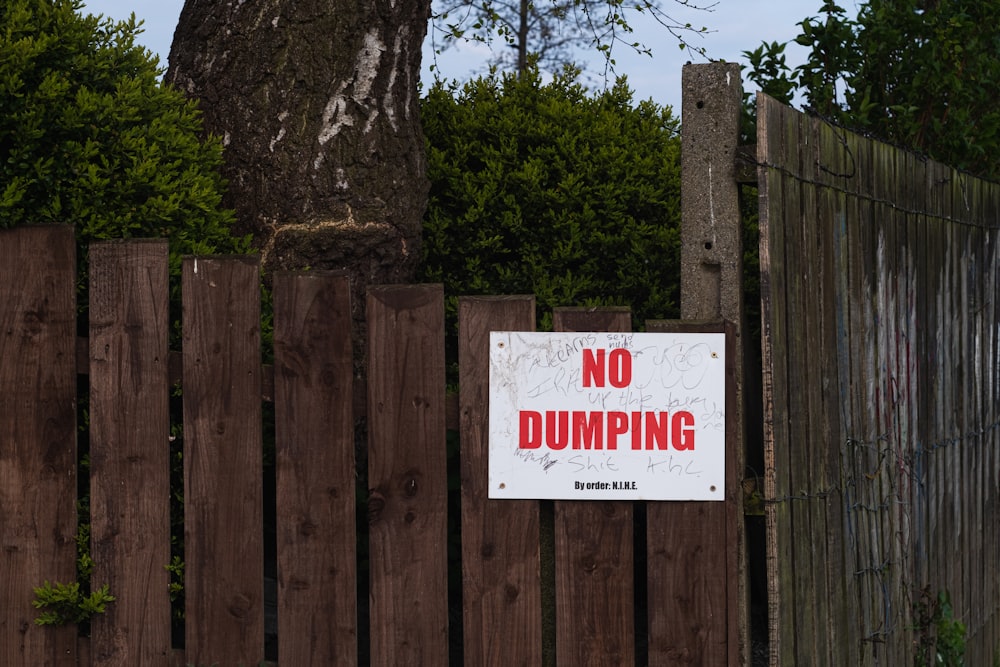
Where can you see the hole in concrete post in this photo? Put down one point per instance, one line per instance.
(708, 245)
(700, 104)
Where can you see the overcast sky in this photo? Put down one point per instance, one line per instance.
(735, 25)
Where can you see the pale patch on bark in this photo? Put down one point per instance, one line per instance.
(336, 115)
(281, 131)
(387, 100)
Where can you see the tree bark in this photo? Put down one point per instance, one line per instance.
(317, 105)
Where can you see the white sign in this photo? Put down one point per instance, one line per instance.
(623, 416)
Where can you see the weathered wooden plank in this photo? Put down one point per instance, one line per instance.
(223, 543)
(903, 393)
(806, 405)
(915, 331)
(833, 167)
(691, 565)
(315, 470)
(857, 329)
(500, 539)
(595, 611)
(943, 429)
(883, 567)
(850, 330)
(991, 468)
(978, 248)
(407, 473)
(930, 352)
(965, 601)
(129, 450)
(991, 505)
(37, 437)
(951, 396)
(926, 274)
(771, 128)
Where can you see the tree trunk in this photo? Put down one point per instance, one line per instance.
(316, 102)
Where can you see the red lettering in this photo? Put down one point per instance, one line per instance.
(593, 368)
(620, 368)
(556, 429)
(683, 431)
(656, 430)
(531, 430)
(559, 429)
(588, 431)
(617, 424)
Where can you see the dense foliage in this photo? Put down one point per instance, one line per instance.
(922, 74)
(89, 136)
(546, 189)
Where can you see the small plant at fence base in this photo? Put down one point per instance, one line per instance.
(940, 637)
(65, 603)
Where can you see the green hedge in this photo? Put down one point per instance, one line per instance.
(548, 189)
(90, 136)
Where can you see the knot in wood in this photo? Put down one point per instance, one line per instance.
(376, 503)
(240, 606)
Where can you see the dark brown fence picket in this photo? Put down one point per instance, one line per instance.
(129, 451)
(223, 545)
(37, 437)
(595, 576)
(407, 476)
(502, 595)
(691, 550)
(314, 433)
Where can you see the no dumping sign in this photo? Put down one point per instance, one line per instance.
(623, 416)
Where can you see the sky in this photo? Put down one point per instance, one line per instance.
(734, 26)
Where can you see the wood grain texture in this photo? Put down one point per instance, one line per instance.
(691, 546)
(878, 275)
(314, 429)
(407, 476)
(502, 596)
(37, 437)
(594, 552)
(129, 450)
(223, 541)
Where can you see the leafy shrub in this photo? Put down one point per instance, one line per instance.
(89, 135)
(62, 604)
(918, 74)
(545, 189)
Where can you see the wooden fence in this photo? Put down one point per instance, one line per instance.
(880, 280)
(591, 581)
(881, 335)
